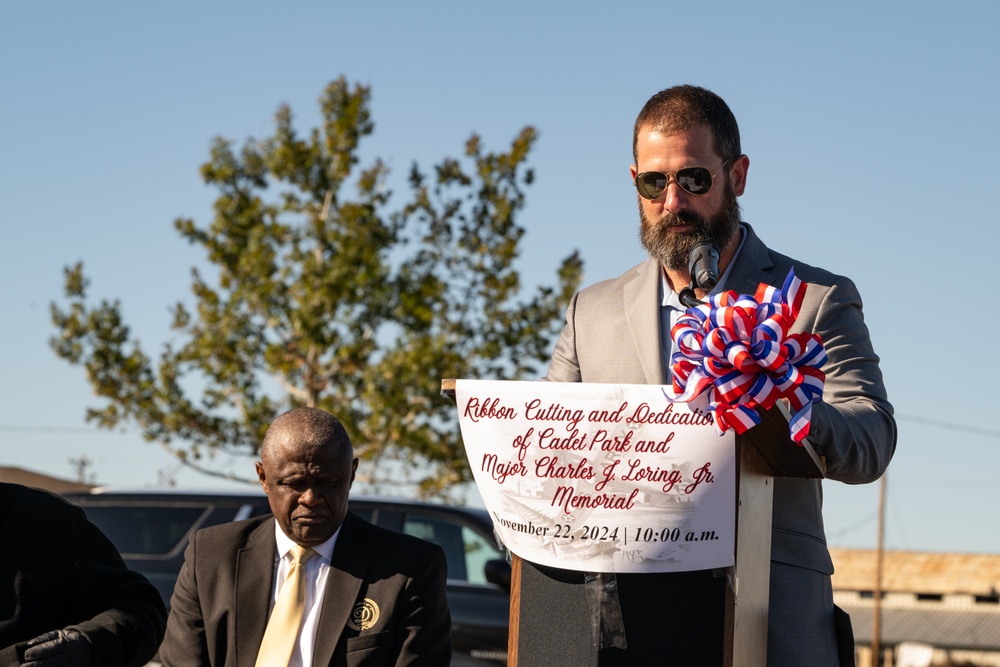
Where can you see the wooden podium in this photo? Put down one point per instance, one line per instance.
(764, 452)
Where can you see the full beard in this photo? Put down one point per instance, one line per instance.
(673, 250)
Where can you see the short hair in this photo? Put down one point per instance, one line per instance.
(308, 425)
(682, 107)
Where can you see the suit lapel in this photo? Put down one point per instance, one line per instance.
(642, 306)
(642, 312)
(254, 579)
(752, 267)
(343, 584)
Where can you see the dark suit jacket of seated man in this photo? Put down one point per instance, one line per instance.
(384, 601)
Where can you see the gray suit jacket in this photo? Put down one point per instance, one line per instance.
(220, 604)
(612, 335)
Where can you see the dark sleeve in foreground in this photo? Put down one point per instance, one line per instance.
(68, 575)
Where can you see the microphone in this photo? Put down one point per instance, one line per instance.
(703, 265)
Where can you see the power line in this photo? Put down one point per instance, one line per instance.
(853, 527)
(68, 430)
(950, 426)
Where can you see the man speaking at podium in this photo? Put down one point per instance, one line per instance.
(688, 172)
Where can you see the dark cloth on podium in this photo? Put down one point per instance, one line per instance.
(675, 619)
(670, 620)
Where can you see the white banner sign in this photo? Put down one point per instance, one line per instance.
(600, 477)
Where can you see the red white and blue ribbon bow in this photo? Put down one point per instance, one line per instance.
(739, 349)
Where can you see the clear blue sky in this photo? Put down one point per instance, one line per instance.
(871, 130)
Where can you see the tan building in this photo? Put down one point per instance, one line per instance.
(936, 608)
(13, 475)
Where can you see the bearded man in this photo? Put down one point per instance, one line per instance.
(689, 170)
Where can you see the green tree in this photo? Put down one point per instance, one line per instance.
(322, 298)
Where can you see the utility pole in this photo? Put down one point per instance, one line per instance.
(879, 557)
(81, 465)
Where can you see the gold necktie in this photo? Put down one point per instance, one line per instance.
(286, 618)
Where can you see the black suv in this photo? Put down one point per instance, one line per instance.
(151, 530)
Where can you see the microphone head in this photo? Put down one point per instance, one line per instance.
(703, 265)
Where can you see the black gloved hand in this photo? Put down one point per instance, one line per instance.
(59, 648)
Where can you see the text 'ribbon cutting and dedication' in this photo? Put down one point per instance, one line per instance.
(601, 477)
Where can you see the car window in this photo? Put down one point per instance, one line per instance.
(366, 514)
(478, 550)
(147, 530)
(466, 550)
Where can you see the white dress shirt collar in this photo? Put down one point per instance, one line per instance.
(286, 543)
(317, 572)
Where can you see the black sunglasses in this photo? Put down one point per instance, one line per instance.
(693, 180)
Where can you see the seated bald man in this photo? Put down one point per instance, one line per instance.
(311, 584)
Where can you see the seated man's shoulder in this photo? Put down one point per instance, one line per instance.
(231, 533)
(29, 508)
(29, 496)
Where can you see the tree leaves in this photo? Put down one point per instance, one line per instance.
(326, 298)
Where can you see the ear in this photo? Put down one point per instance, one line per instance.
(738, 174)
(261, 476)
(354, 471)
(634, 171)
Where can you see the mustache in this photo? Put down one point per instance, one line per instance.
(681, 219)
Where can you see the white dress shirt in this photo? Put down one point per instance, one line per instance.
(317, 569)
(671, 307)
